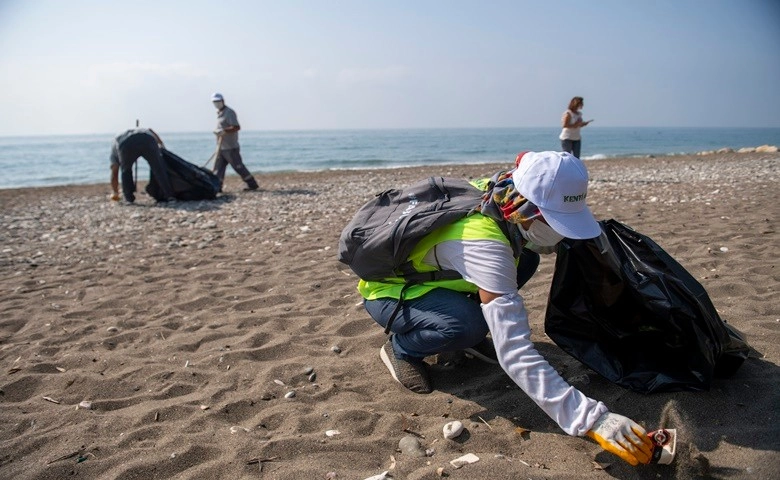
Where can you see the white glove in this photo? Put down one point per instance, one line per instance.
(219, 132)
(623, 437)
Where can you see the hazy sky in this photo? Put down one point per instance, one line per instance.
(82, 66)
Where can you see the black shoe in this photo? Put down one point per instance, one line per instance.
(412, 375)
(484, 350)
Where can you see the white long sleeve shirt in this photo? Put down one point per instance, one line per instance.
(490, 265)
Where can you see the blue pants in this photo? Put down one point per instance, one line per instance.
(441, 320)
(571, 146)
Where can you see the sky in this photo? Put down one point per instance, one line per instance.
(96, 66)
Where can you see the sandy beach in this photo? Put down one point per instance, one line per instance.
(222, 339)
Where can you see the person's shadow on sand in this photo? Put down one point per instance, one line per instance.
(737, 410)
(295, 191)
(187, 205)
(217, 203)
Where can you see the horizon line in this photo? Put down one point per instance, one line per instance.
(374, 129)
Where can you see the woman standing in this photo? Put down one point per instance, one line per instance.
(571, 123)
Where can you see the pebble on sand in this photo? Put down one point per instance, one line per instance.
(381, 476)
(464, 460)
(452, 429)
(410, 445)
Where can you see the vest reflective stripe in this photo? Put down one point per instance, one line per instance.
(473, 227)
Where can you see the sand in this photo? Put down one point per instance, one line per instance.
(186, 326)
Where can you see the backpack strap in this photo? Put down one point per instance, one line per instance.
(417, 278)
(397, 308)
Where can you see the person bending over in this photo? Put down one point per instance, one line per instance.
(125, 150)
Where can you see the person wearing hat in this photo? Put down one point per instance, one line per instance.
(228, 151)
(125, 150)
(544, 199)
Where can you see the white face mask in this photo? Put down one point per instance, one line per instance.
(541, 234)
(219, 105)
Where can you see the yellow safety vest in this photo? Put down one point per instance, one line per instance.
(473, 227)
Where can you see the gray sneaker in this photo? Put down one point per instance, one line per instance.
(412, 375)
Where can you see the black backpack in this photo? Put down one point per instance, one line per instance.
(377, 242)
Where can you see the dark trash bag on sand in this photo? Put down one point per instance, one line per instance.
(189, 182)
(633, 314)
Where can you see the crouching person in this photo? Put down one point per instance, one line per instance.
(544, 198)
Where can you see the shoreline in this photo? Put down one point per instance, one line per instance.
(721, 151)
(185, 326)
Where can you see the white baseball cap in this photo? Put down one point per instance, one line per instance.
(557, 183)
(217, 97)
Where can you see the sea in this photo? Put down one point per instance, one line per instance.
(39, 161)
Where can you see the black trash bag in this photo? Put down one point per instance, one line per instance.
(188, 181)
(625, 308)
